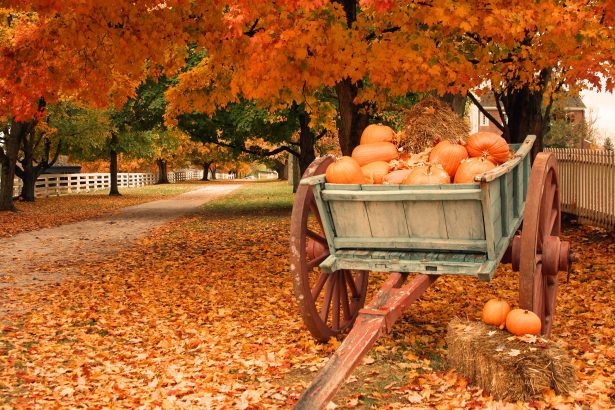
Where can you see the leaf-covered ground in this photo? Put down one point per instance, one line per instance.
(60, 210)
(200, 314)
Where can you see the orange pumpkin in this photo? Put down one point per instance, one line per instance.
(378, 151)
(396, 177)
(448, 155)
(375, 171)
(471, 167)
(345, 170)
(522, 322)
(488, 144)
(377, 133)
(495, 312)
(431, 174)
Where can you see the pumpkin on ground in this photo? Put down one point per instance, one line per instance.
(377, 133)
(522, 322)
(448, 155)
(396, 177)
(375, 171)
(488, 144)
(345, 170)
(495, 312)
(378, 151)
(431, 174)
(471, 167)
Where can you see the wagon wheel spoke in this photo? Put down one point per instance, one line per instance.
(344, 297)
(320, 283)
(317, 237)
(318, 260)
(326, 303)
(539, 289)
(335, 319)
(351, 284)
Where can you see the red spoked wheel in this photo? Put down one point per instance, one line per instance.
(329, 302)
(542, 254)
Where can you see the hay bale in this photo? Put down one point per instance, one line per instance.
(508, 367)
(429, 121)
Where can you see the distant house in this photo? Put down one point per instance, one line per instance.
(573, 109)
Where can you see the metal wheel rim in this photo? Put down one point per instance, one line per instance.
(330, 304)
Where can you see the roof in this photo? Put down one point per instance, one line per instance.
(573, 102)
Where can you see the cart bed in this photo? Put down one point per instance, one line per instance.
(461, 229)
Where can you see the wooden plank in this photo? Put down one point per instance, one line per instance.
(495, 203)
(488, 220)
(464, 219)
(425, 219)
(506, 194)
(387, 219)
(350, 218)
(484, 270)
(433, 194)
(459, 245)
(520, 155)
(325, 216)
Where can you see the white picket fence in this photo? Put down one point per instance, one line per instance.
(61, 184)
(587, 184)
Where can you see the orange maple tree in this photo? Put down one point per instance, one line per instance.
(287, 51)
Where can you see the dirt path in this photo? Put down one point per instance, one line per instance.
(25, 257)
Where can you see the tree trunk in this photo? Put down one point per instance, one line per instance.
(8, 160)
(113, 167)
(306, 142)
(280, 168)
(163, 177)
(213, 172)
(206, 166)
(352, 121)
(28, 176)
(524, 110)
(456, 101)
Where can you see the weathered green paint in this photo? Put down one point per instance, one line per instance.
(460, 229)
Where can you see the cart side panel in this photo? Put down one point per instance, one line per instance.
(350, 218)
(464, 220)
(417, 220)
(387, 219)
(425, 219)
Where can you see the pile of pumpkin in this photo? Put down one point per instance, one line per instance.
(376, 160)
(519, 322)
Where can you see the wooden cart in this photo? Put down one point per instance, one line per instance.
(341, 232)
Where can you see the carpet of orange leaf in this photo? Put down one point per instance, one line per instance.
(201, 314)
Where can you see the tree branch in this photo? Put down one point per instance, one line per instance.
(485, 112)
(253, 30)
(262, 153)
(501, 111)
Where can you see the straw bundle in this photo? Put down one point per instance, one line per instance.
(429, 121)
(508, 367)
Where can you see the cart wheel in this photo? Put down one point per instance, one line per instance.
(329, 303)
(541, 248)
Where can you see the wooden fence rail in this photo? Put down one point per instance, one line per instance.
(59, 184)
(587, 181)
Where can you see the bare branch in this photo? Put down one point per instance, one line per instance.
(485, 112)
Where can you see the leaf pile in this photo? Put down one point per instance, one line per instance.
(201, 314)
